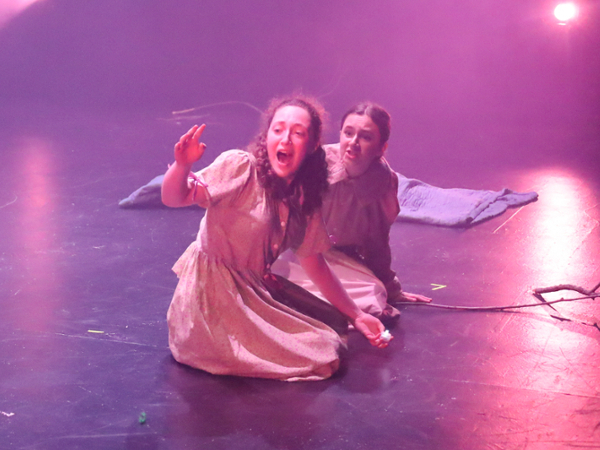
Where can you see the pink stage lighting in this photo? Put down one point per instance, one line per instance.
(11, 8)
(565, 12)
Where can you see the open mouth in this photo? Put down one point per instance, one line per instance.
(284, 158)
(351, 155)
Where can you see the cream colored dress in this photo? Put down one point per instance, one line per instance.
(362, 286)
(358, 213)
(223, 317)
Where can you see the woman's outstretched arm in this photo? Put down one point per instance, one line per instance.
(177, 187)
(330, 286)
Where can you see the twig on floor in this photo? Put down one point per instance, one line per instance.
(508, 220)
(587, 294)
(537, 293)
(566, 287)
(541, 298)
(498, 308)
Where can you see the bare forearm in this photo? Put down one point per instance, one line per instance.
(319, 272)
(330, 286)
(176, 188)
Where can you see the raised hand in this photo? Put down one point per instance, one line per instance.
(189, 149)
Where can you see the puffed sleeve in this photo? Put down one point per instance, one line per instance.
(316, 239)
(227, 176)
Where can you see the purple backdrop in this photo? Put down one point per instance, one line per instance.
(445, 69)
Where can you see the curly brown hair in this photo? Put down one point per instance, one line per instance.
(305, 193)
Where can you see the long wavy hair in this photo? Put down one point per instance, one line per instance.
(305, 193)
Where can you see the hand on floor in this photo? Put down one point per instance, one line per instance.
(408, 297)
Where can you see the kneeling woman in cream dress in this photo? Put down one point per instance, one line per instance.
(230, 314)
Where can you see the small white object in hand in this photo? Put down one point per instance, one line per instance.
(386, 336)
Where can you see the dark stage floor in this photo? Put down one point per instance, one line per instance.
(85, 288)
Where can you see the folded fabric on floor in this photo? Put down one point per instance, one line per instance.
(419, 202)
(455, 207)
(146, 196)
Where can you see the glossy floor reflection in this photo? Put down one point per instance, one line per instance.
(85, 287)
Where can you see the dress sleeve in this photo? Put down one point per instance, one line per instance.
(227, 176)
(316, 239)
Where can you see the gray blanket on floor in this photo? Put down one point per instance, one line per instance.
(146, 196)
(419, 202)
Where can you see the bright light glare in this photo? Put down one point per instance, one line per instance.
(565, 12)
(560, 229)
(11, 8)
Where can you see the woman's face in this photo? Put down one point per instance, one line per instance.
(288, 141)
(360, 144)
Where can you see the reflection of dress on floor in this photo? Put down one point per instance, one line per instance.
(358, 213)
(223, 317)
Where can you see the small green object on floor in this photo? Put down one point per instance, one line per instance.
(142, 419)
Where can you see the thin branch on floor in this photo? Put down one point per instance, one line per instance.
(498, 308)
(537, 293)
(587, 294)
(541, 298)
(566, 287)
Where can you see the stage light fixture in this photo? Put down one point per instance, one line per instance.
(565, 12)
